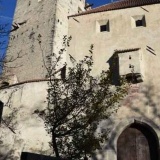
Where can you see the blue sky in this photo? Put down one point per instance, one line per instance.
(8, 6)
(6, 15)
(99, 2)
(7, 11)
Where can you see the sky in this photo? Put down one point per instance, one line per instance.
(7, 8)
(99, 2)
(6, 16)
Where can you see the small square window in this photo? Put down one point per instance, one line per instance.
(139, 23)
(103, 28)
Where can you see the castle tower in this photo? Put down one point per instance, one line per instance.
(34, 21)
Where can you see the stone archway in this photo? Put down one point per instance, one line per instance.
(138, 142)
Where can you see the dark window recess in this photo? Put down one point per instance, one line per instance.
(104, 28)
(141, 22)
(1, 111)
(131, 78)
(134, 78)
(63, 73)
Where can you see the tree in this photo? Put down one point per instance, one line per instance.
(76, 103)
(7, 122)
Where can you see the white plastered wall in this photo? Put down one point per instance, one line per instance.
(123, 36)
(29, 133)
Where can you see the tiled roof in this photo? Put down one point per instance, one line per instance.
(121, 4)
(126, 50)
(24, 82)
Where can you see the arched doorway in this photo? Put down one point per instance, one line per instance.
(138, 142)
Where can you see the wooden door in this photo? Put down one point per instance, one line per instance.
(136, 144)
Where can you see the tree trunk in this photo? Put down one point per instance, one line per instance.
(55, 148)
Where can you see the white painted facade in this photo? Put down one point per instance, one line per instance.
(45, 21)
(28, 133)
(122, 38)
(44, 17)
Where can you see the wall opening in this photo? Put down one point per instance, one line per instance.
(103, 26)
(138, 141)
(1, 111)
(138, 21)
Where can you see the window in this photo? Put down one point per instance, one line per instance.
(102, 26)
(138, 21)
(1, 110)
(63, 73)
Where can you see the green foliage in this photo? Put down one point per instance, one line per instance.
(76, 104)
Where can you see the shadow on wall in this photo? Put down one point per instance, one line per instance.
(140, 108)
(114, 68)
(33, 156)
(1, 111)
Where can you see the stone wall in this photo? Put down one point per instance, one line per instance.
(39, 23)
(142, 104)
(25, 132)
(64, 9)
(122, 36)
(47, 20)
(38, 30)
(38, 20)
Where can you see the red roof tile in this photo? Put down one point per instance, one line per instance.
(126, 50)
(122, 4)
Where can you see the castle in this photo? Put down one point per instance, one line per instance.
(124, 32)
